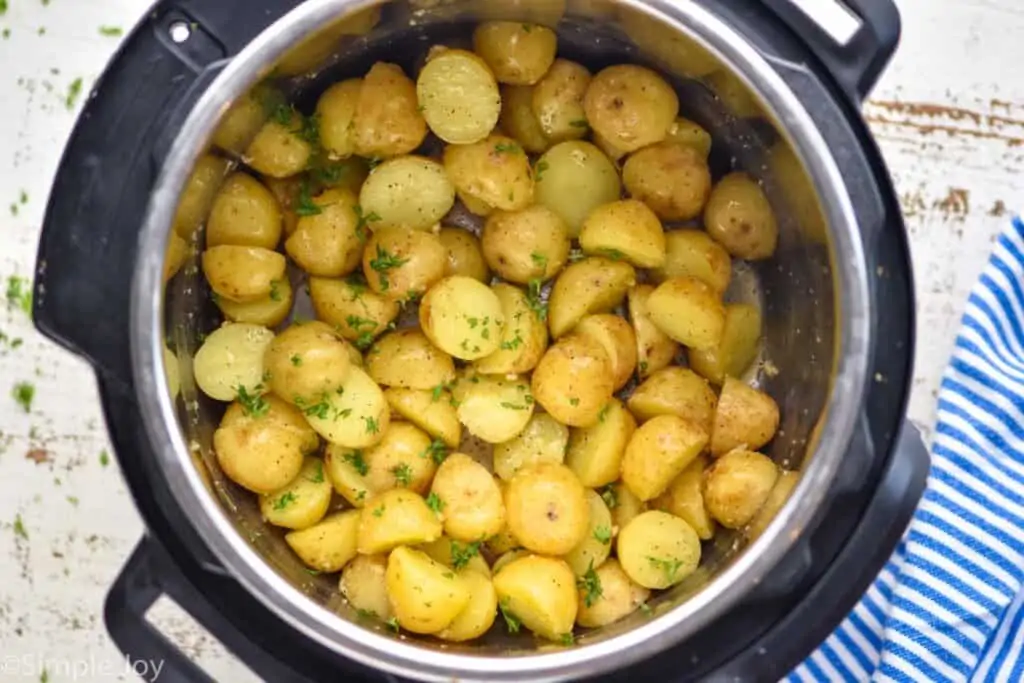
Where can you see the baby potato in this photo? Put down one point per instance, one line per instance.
(593, 285)
(244, 118)
(172, 367)
(354, 416)
(684, 499)
(615, 335)
(459, 96)
(614, 153)
(691, 253)
(686, 132)
(401, 460)
(547, 508)
(596, 545)
(494, 409)
(625, 229)
(302, 502)
(288, 193)
(502, 542)
(671, 178)
(619, 597)
(229, 364)
(336, 110)
(508, 557)
(475, 206)
(175, 257)
(402, 263)
(540, 592)
(406, 358)
(558, 101)
(363, 585)
(658, 451)
(521, 246)
(495, 171)
(198, 195)
(543, 440)
(745, 418)
(278, 150)
(623, 504)
(572, 178)
(269, 312)
(245, 213)
(689, 311)
(734, 95)
(658, 550)
(310, 53)
(654, 349)
(740, 218)
(737, 485)
(737, 349)
(675, 391)
(347, 470)
(410, 191)
(630, 106)
(595, 453)
(472, 505)
(387, 121)
(425, 595)
(328, 545)
(573, 381)
(465, 256)
(431, 411)
(357, 313)
(306, 361)
(328, 240)
(517, 53)
(450, 553)
(395, 518)
(477, 617)
(523, 339)
(667, 44)
(242, 274)
(778, 497)
(518, 120)
(463, 317)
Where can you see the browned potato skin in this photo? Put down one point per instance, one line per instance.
(630, 106)
(277, 151)
(618, 339)
(778, 497)
(525, 245)
(745, 418)
(328, 244)
(595, 453)
(518, 53)
(420, 256)
(737, 485)
(387, 118)
(655, 349)
(684, 498)
(691, 134)
(738, 348)
(574, 381)
(620, 597)
(518, 120)
(337, 109)
(693, 253)
(671, 178)
(740, 218)
(659, 450)
(465, 256)
(244, 213)
(306, 361)
(495, 171)
(558, 101)
(242, 274)
(177, 254)
(547, 508)
(689, 311)
(675, 391)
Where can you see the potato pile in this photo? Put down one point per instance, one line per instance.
(492, 422)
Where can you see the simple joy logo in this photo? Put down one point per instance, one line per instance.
(37, 667)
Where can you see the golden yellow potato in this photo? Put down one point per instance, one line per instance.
(558, 101)
(654, 349)
(740, 218)
(508, 557)
(302, 502)
(595, 452)
(432, 411)
(658, 550)
(572, 178)
(336, 110)
(523, 339)
(279, 149)
(328, 238)
(463, 317)
(288, 192)
(623, 504)
(738, 348)
(477, 617)
(354, 416)
(574, 381)
(409, 191)
(395, 518)
(737, 485)
(745, 418)
(691, 134)
(630, 106)
(363, 585)
(401, 460)
(229, 364)
(625, 229)
(471, 503)
(402, 263)
(501, 543)
(244, 118)
(495, 171)
(735, 96)
(691, 253)
(778, 497)
(269, 312)
(684, 499)
(459, 96)
(245, 213)
(666, 43)
(675, 391)
(465, 257)
(689, 311)
(521, 246)
(596, 545)
(199, 194)
(177, 254)
(425, 595)
(517, 53)
(658, 451)
(671, 178)
(328, 545)
(617, 598)
(543, 440)
(518, 120)
(475, 206)
(172, 367)
(593, 285)
(406, 358)
(617, 338)
(306, 361)
(547, 508)
(347, 471)
(456, 554)
(356, 312)
(242, 274)
(494, 409)
(539, 592)
(387, 120)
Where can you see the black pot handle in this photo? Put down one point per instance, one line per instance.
(857, 64)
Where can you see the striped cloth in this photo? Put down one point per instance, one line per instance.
(949, 605)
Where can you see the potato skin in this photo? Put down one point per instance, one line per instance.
(425, 595)
(432, 412)
(364, 586)
(355, 416)
(691, 134)
(231, 357)
(737, 349)
(242, 274)
(495, 171)
(525, 245)
(336, 109)
(694, 254)
(778, 497)
(593, 285)
(540, 592)
(328, 243)
(523, 339)
(306, 361)
(574, 381)
(620, 597)
(737, 485)
(745, 418)
(328, 545)
(684, 498)
(675, 391)
(595, 452)
(625, 229)
(517, 53)
(658, 451)
(477, 617)
(269, 312)
(406, 358)
(617, 338)
(654, 349)
(630, 106)
(302, 502)
(558, 101)
(671, 178)
(547, 508)
(402, 263)
(357, 313)
(387, 121)
(465, 256)
(740, 218)
(688, 311)
(400, 460)
(277, 151)
(462, 317)
(596, 544)
(395, 518)
(658, 550)
(245, 213)
(459, 96)
(572, 178)
(518, 120)
(543, 440)
(473, 508)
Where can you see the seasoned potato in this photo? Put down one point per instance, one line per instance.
(778, 497)
(684, 499)
(558, 101)
(630, 106)
(574, 381)
(471, 502)
(689, 311)
(451, 553)
(244, 118)
(502, 542)
(459, 96)
(495, 171)
(618, 598)
(593, 285)
(524, 337)
(306, 361)
(508, 557)
(463, 317)
(328, 545)
(547, 508)
(540, 592)
(406, 358)
(618, 340)
(411, 191)
(269, 312)
(520, 246)
(402, 263)
(402, 459)
(173, 369)
(177, 254)
(612, 151)
(475, 206)
(279, 149)
(347, 470)
(363, 585)
(328, 239)
(734, 94)
(242, 274)
(691, 253)
(465, 257)
(595, 453)
(572, 178)
(623, 504)
(394, 518)
(494, 409)
(245, 213)
(477, 617)
(519, 121)
(658, 550)
(739, 217)
(675, 391)
(425, 595)
(737, 349)
(336, 110)
(625, 229)
(659, 450)
(302, 502)
(654, 349)
(357, 313)
(671, 178)
(517, 53)
(737, 485)
(596, 545)
(691, 134)
(288, 192)
(199, 194)
(745, 418)
(387, 120)
(543, 440)
(229, 364)
(431, 411)
(354, 416)
(260, 446)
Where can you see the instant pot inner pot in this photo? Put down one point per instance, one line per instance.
(794, 288)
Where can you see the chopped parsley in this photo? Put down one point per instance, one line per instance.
(111, 31)
(403, 474)
(539, 169)
(393, 624)
(513, 406)
(534, 300)
(567, 639)
(305, 205)
(670, 566)
(355, 458)
(23, 393)
(371, 425)
(613, 254)
(603, 534)
(19, 293)
(539, 260)
(384, 262)
(436, 451)
(74, 92)
(357, 323)
(512, 344)
(645, 608)
(378, 512)
(590, 585)
(463, 553)
(574, 401)
(511, 620)
(318, 410)
(435, 503)
(437, 392)
(610, 496)
(284, 500)
(19, 527)
(366, 613)
(309, 130)
(604, 412)
(363, 220)
(318, 475)
(510, 147)
(643, 367)
(104, 458)
(275, 290)
(296, 359)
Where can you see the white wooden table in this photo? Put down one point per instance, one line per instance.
(949, 115)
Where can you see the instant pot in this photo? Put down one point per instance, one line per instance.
(781, 98)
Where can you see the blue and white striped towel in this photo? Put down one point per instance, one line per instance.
(949, 605)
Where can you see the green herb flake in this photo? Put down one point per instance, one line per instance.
(44, 676)
(104, 458)
(613, 254)
(574, 401)
(74, 92)
(538, 171)
(384, 262)
(3, 7)
(19, 293)
(539, 260)
(275, 290)
(513, 406)
(19, 527)
(306, 206)
(507, 147)
(567, 639)
(437, 392)
(610, 496)
(463, 553)
(318, 475)
(371, 425)
(603, 534)
(527, 28)
(355, 458)
(403, 474)
(603, 415)
(253, 404)
(363, 220)
(435, 503)
(73, 500)
(436, 451)
(511, 620)
(393, 624)
(512, 344)
(111, 31)
(356, 323)
(643, 367)
(296, 360)
(645, 609)
(378, 512)
(23, 393)
(669, 566)
(284, 500)
(534, 300)
(366, 613)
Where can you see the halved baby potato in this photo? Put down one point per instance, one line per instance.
(675, 391)
(517, 53)
(595, 452)
(463, 317)
(572, 178)
(432, 411)
(328, 545)
(269, 312)
(630, 106)
(739, 216)
(336, 110)
(618, 339)
(523, 339)
(395, 518)
(543, 440)
(547, 508)
(596, 545)
(654, 349)
(302, 502)
(198, 195)
(620, 596)
(558, 101)
(522, 246)
(518, 120)
(684, 498)
(230, 363)
(356, 312)
(278, 150)
(658, 451)
(573, 381)
(387, 121)
(242, 274)
(328, 238)
(494, 409)
(495, 171)
(688, 311)
(737, 349)
(245, 213)
(477, 617)
(737, 485)
(425, 595)
(402, 459)
(402, 263)
(745, 418)
(465, 256)
(671, 178)
(540, 592)
(408, 191)
(472, 507)
(406, 358)
(355, 416)
(306, 361)
(593, 285)
(625, 229)
(364, 586)
(692, 253)
(459, 96)
(658, 550)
